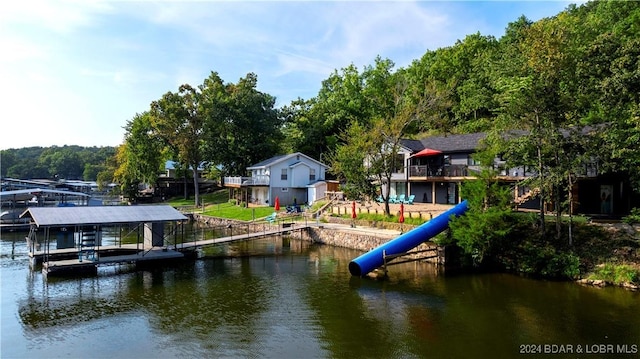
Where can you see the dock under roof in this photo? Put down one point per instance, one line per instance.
(101, 215)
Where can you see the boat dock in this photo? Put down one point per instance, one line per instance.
(82, 233)
(82, 228)
(89, 264)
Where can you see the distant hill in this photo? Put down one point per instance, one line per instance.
(68, 162)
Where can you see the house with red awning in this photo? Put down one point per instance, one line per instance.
(432, 169)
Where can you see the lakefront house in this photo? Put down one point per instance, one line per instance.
(432, 169)
(294, 178)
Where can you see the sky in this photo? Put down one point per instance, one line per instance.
(74, 72)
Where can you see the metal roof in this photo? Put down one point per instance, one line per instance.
(101, 215)
(8, 194)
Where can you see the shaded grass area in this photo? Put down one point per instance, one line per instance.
(219, 196)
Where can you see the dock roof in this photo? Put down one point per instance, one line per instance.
(34, 191)
(101, 215)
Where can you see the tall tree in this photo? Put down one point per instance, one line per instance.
(242, 124)
(177, 120)
(398, 109)
(139, 158)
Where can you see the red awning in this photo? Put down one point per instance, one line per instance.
(427, 152)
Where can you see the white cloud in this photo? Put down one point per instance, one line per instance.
(78, 70)
(57, 15)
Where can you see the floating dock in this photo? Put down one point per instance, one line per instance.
(91, 263)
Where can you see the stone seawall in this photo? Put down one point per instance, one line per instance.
(362, 239)
(345, 238)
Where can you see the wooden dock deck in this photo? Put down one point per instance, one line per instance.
(78, 265)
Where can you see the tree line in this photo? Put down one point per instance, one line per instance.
(66, 162)
(550, 79)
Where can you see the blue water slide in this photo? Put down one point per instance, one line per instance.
(373, 259)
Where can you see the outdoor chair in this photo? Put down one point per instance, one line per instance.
(401, 199)
(410, 199)
(393, 199)
(272, 217)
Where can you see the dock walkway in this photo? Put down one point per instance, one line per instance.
(73, 260)
(287, 227)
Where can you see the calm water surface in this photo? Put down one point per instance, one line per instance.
(290, 299)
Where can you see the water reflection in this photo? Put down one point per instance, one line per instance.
(288, 298)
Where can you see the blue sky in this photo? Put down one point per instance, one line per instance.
(74, 72)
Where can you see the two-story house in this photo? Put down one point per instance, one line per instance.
(434, 168)
(293, 178)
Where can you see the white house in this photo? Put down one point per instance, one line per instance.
(293, 178)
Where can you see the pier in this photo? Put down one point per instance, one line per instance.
(77, 234)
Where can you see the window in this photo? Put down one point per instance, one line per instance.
(312, 174)
(283, 174)
(398, 165)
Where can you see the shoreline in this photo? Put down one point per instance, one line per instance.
(383, 232)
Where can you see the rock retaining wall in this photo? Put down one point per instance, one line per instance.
(362, 241)
(354, 239)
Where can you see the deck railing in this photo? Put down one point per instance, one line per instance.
(262, 180)
(442, 171)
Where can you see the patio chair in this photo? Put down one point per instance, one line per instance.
(272, 217)
(393, 199)
(410, 199)
(380, 199)
(401, 198)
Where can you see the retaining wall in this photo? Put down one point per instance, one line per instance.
(359, 240)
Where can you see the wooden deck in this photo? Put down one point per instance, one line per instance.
(78, 265)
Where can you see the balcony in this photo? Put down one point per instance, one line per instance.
(442, 171)
(246, 181)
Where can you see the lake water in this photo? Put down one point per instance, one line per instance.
(290, 299)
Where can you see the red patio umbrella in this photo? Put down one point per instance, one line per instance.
(353, 210)
(427, 152)
(276, 206)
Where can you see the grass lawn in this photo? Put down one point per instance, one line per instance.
(220, 196)
(230, 210)
(217, 204)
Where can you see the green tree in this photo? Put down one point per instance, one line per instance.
(398, 109)
(140, 158)
(316, 126)
(177, 119)
(242, 125)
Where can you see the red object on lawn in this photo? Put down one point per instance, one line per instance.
(353, 210)
(401, 219)
(277, 205)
